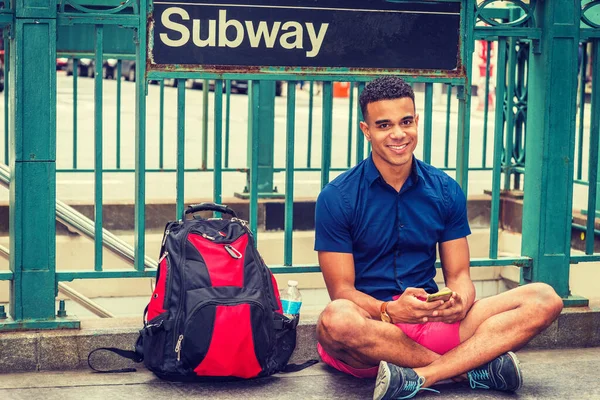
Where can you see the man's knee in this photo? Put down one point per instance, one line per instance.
(340, 321)
(547, 303)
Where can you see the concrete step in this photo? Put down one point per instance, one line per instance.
(68, 349)
(547, 374)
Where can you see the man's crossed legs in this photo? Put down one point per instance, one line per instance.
(493, 327)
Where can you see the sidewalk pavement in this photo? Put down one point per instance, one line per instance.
(548, 374)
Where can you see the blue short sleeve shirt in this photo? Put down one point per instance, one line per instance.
(392, 236)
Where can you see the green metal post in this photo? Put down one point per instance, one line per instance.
(289, 174)
(350, 124)
(98, 154)
(218, 121)
(140, 143)
(510, 116)
(263, 127)
(33, 168)
(180, 181)
(581, 112)
(464, 105)
(311, 101)
(497, 166)
(161, 126)
(547, 209)
(118, 145)
(205, 90)
(428, 122)
(253, 98)
(227, 119)
(486, 107)
(360, 138)
(447, 135)
(327, 132)
(6, 37)
(593, 191)
(75, 73)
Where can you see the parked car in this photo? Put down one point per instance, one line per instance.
(85, 67)
(128, 70)
(61, 63)
(241, 86)
(109, 68)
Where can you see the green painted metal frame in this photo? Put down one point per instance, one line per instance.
(534, 26)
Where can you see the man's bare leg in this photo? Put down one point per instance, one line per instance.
(348, 334)
(494, 326)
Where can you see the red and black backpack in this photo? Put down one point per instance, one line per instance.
(215, 310)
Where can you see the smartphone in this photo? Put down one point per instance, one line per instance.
(444, 294)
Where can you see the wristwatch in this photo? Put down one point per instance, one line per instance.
(385, 317)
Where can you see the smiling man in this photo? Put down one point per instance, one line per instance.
(377, 228)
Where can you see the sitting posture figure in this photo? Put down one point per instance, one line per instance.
(377, 227)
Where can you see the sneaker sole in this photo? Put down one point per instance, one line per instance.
(517, 364)
(382, 383)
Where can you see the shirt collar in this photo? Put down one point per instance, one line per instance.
(372, 173)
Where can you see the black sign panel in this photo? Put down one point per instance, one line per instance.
(305, 33)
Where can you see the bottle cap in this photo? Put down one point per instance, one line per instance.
(292, 283)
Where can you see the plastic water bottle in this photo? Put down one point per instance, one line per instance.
(291, 300)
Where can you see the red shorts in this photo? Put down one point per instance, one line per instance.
(438, 337)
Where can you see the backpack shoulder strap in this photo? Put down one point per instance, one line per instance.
(298, 367)
(131, 355)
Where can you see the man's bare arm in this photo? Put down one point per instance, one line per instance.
(338, 272)
(454, 255)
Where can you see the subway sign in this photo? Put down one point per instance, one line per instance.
(237, 35)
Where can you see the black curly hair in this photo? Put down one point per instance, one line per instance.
(385, 88)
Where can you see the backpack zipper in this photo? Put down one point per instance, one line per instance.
(178, 347)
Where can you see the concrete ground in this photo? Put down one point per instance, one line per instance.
(548, 374)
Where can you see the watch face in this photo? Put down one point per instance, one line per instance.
(386, 318)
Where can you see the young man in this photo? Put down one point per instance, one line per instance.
(377, 227)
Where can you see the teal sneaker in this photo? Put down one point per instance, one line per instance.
(502, 373)
(394, 382)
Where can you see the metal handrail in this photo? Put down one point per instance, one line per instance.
(81, 224)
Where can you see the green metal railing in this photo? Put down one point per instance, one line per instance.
(523, 97)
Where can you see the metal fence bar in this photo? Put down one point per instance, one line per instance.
(253, 98)
(581, 114)
(205, 90)
(360, 138)
(140, 146)
(218, 121)
(119, 62)
(447, 136)
(509, 81)
(227, 112)
(6, 37)
(75, 74)
(310, 123)
(161, 125)
(428, 123)
(486, 104)
(593, 151)
(289, 174)
(181, 147)
(98, 143)
(350, 124)
(327, 127)
(498, 140)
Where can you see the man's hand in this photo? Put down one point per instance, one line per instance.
(410, 308)
(452, 311)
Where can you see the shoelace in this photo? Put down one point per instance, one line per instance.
(415, 387)
(476, 376)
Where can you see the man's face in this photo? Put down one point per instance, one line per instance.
(392, 128)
